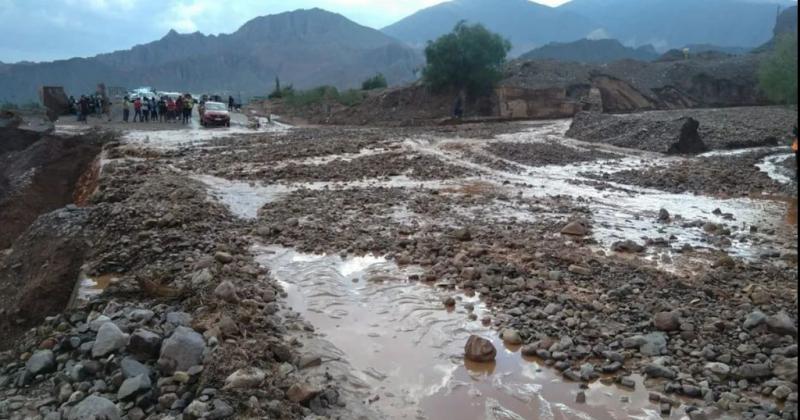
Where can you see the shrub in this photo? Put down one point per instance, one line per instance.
(375, 82)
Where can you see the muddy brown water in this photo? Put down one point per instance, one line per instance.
(402, 341)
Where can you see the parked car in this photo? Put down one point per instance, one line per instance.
(214, 113)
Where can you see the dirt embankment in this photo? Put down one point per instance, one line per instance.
(659, 131)
(547, 89)
(39, 174)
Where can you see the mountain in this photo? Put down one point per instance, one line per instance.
(306, 48)
(526, 24)
(591, 51)
(675, 23)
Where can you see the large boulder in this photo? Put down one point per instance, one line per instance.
(43, 361)
(182, 350)
(479, 349)
(109, 339)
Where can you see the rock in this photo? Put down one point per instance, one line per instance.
(462, 235)
(131, 368)
(511, 336)
(479, 349)
(581, 397)
(653, 344)
(197, 409)
(663, 215)
(182, 350)
(781, 392)
(552, 308)
(98, 322)
(785, 368)
(245, 378)
(201, 278)
(133, 387)
(301, 393)
(753, 371)
(43, 361)
(717, 368)
(627, 247)
(94, 407)
(781, 323)
(221, 410)
(109, 339)
(179, 319)
(140, 315)
(530, 350)
(227, 292)
(655, 370)
(223, 257)
(667, 321)
(144, 344)
(575, 228)
(580, 270)
(449, 301)
(754, 319)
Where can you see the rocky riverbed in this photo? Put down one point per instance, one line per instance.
(339, 272)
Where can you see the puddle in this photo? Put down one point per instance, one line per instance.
(401, 341)
(88, 288)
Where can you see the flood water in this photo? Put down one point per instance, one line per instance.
(406, 349)
(402, 341)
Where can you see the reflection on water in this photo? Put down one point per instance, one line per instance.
(402, 342)
(89, 287)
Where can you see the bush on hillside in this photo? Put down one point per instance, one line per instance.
(322, 94)
(470, 58)
(376, 82)
(777, 75)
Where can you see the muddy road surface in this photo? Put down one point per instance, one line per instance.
(339, 272)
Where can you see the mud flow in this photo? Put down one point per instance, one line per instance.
(408, 349)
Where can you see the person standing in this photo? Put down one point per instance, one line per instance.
(162, 109)
(188, 104)
(231, 103)
(126, 109)
(153, 110)
(84, 105)
(146, 109)
(179, 109)
(137, 109)
(170, 109)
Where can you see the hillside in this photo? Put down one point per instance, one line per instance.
(526, 24)
(591, 51)
(665, 24)
(305, 47)
(675, 23)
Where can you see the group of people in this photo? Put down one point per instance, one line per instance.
(90, 105)
(163, 109)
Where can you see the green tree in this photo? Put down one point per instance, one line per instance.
(375, 82)
(777, 74)
(469, 58)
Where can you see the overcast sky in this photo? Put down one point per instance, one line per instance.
(39, 30)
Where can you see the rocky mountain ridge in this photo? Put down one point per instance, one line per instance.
(305, 47)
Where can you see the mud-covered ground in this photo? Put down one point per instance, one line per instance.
(733, 174)
(398, 244)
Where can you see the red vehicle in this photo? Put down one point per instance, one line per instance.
(214, 113)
